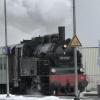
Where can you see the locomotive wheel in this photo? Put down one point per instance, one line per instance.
(81, 88)
(22, 87)
(45, 85)
(55, 89)
(82, 85)
(2, 89)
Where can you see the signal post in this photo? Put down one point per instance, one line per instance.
(75, 43)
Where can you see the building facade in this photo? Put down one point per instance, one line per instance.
(89, 60)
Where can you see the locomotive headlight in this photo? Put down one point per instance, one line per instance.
(65, 46)
(53, 70)
(81, 69)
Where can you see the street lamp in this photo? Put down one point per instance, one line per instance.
(6, 47)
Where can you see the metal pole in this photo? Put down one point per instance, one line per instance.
(75, 54)
(6, 45)
(74, 18)
(76, 74)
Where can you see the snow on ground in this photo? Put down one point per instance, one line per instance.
(91, 92)
(13, 97)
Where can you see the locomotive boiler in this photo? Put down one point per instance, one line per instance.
(45, 63)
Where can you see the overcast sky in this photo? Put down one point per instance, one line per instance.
(29, 18)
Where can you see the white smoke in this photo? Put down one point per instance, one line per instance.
(38, 15)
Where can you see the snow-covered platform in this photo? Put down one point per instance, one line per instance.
(92, 93)
(83, 96)
(13, 97)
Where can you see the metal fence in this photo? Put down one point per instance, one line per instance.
(89, 60)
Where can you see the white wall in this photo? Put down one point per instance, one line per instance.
(89, 60)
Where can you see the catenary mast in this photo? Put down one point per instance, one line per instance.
(6, 47)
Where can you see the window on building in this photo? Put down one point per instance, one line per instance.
(4, 59)
(0, 66)
(4, 66)
(0, 60)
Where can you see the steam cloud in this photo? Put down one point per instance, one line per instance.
(34, 17)
(38, 15)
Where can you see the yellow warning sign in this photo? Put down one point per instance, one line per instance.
(75, 42)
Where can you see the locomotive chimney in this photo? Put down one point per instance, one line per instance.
(61, 30)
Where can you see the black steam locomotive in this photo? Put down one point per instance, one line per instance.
(46, 64)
